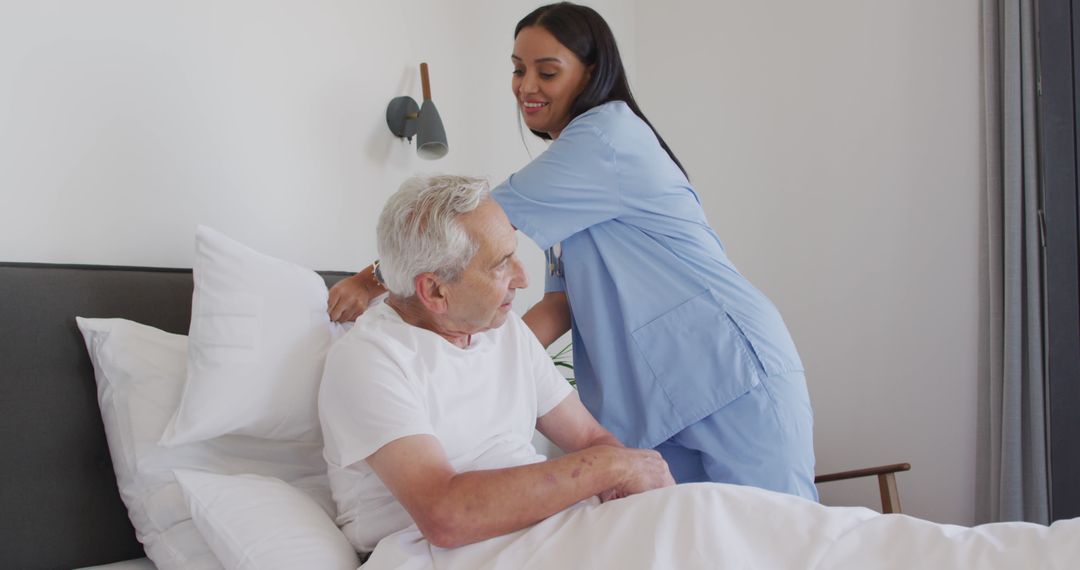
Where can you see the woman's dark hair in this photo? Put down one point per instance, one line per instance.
(584, 32)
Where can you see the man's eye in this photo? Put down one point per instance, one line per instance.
(519, 72)
(547, 75)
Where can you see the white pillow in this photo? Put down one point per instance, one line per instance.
(140, 373)
(262, 523)
(259, 336)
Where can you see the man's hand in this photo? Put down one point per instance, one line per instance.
(452, 509)
(645, 470)
(349, 298)
(571, 427)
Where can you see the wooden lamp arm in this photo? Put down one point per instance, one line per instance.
(425, 83)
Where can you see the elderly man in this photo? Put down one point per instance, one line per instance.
(428, 405)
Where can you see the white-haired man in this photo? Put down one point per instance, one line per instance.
(428, 405)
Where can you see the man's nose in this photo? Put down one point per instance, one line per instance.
(521, 279)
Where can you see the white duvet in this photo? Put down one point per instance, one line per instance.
(709, 525)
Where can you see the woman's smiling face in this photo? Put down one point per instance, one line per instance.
(548, 78)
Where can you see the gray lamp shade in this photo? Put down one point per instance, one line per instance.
(430, 134)
(405, 119)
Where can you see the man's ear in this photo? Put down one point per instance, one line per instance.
(430, 292)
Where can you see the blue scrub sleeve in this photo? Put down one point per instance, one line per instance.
(571, 186)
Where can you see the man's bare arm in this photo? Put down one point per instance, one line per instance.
(453, 509)
(571, 427)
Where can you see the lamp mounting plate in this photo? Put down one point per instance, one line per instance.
(401, 116)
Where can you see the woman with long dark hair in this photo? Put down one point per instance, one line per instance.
(673, 348)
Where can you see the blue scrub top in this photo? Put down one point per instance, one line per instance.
(666, 331)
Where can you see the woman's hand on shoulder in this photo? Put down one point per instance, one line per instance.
(349, 298)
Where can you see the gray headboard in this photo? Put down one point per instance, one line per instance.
(59, 504)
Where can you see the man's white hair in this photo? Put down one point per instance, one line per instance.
(419, 231)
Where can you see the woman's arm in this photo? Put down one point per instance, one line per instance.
(550, 318)
(349, 297)
(572, 185)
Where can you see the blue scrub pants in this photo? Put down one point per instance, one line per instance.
(764, 438)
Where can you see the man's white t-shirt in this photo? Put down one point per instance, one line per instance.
(387, 379)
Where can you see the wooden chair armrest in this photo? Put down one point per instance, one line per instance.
(886, 474)
(862, 472)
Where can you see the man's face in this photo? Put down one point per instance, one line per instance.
(480, 299)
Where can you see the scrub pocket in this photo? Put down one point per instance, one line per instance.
(698, 356)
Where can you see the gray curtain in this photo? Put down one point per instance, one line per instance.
(1013, 483)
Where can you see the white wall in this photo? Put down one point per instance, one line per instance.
(836, 148)
(124, 123)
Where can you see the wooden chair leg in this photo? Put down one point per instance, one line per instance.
(890, 496)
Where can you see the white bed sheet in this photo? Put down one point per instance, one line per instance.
(725, 526)
(136, 564)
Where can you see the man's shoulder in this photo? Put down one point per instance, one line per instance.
(375, 353)
(511, 330)
(379, 319)
(516, 339)
(374, 332)
(381, 333)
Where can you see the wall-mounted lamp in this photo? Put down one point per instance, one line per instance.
(405, 119)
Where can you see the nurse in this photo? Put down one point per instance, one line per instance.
(673, 348)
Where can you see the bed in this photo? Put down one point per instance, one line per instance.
(58, 491)
(63, 507)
